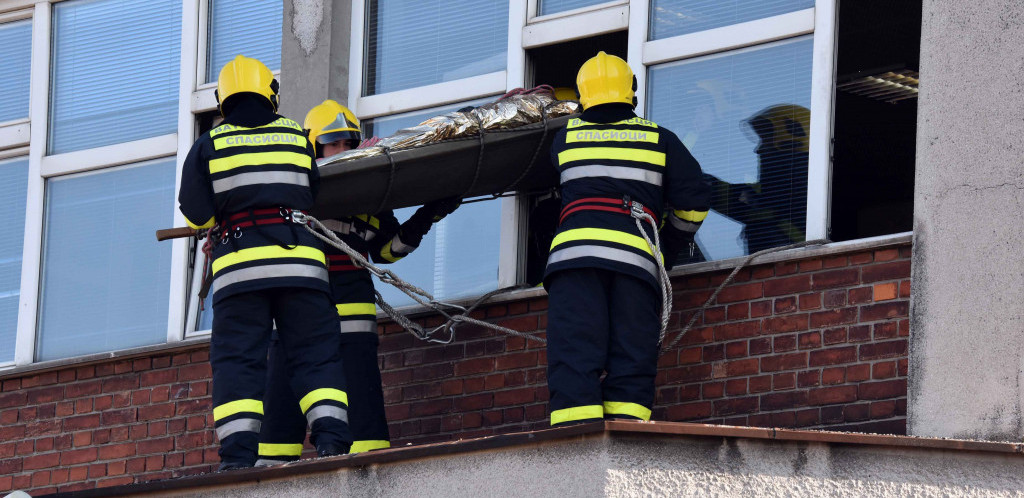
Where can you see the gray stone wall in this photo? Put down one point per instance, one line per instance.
(967, 332)
(314, 54)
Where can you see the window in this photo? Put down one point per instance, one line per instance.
(248, 27)
(13, 188)
(459, 256)
(16, 52)
(744, 115)
(413, 43)
(679, 17)
(114, 71)
(554, 6)
(105, 281)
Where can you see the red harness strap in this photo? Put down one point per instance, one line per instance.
(270, 216)
(609, 204)
(342, 262)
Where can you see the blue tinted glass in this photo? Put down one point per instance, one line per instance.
(413, 43)
(13, 190)
(105, 281)
(115, 72)
(552, 6)
(459, 256)
(16, 52)
(679, 17)
(744, 116)
(248, 27)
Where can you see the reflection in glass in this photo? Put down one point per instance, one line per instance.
(105, 281)
(679, 17)
(414, 43)
(743, 115)
(553, 6)
(108, 89)
(13, 191)
(248, 27)
(16, 52)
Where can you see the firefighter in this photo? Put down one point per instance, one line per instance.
(333, 129)
(245, 180)
(601, 275)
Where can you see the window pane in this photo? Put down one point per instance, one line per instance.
(413, 43)
(248, 27)
(459, 256)
(679, 17)
(552, 6)
(115, 72)
(16, 52)
(744, 116)
(105, 280)
(13, 190)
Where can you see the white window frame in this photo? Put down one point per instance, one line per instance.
(534, 9)
(17, 132)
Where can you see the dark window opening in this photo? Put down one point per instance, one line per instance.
(557, 65)
(875, 118)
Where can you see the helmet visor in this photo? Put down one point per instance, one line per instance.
(334, 136)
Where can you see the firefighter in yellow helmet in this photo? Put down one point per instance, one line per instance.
(601, 276)
(333, 129)
(243, 181)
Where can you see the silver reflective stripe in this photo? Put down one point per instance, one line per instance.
(326, 411)
(358, 326)
(681, 224)
(239, 425)
(604, 253)
(398, 246)
(337, 226)
(268, 271)
(617, 172)
(260, 178)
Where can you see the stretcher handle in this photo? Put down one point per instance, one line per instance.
(174, 233)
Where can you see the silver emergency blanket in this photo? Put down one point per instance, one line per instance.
(510, 112)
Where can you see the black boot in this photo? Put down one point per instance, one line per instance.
(331, 449)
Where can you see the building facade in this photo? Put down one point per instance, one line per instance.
(809, 106)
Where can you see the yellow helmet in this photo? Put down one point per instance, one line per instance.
(605, 79)
(784, 126)
(329, 122)
(566, 93)
(246, 75)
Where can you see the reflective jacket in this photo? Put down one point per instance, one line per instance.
(255, 161)
(610, 153)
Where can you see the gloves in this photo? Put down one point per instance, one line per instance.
(441, 208)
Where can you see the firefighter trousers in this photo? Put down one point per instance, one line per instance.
(309, 345)
(601, 322)
(284, 427)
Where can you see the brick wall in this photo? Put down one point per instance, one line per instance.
(820, 342)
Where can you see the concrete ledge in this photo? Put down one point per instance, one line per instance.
(632, 458)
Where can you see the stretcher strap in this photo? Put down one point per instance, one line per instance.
(391, 180)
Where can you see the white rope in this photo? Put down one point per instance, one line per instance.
(638, 213)
(420, 296)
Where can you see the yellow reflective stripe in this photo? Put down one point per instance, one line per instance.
(267, 252)
(208, 224)
(279, 122)
(691, 216)
(577, 122)
(320, 395)
(237, 406)
(604, 234)
(277, 449)
(368, 445)
(576, 413)
(372, 220)
(385, 252)
(612, 136)
(623, 408)
(348, 309)
(257, 139)
(611, 153)
(260, 158)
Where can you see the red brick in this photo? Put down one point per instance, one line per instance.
(860, 258)
(714, 315)
(520, 323)
(760, 309)
(789, 323)
(905, 288)
(810, 378)
(886, 291)
(789, 285)
(474, 366)
(859, 333)
(809, 340)
(833, 356)
(785, 343)
(834, 317)
(736, 349)
(881, 390)
(122, 383)
(153, 412)
(516, 360)
(760, 384)
(889, 271)
(785, 268)
(474, 402)
(713, 352)
(738, 311)
(879, 350)
(90, 421)
(739, 330)
(689, 411)
(901, 367)
(857, 373)
(762, 272)
(735, 293)
(832, 395)
(45, 395)
(835, 298)
(150, 446)
(810, 265)
(783, 401)
(741, 368)
(887, 254)
(73, 457)
(32, 462)
(834, 375)
(860, 295)
(886, 330)
(431, 407)
(810, 301)
(731, 406)
(835, 278)
(112, 451)
(515, 397)
(760, 346)
(118, 417)
(712, 390)
(783, 362)
(882, 409)
(690, 355)
(783, 381)
(883, 311)
(785, 305)
(735, 387)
